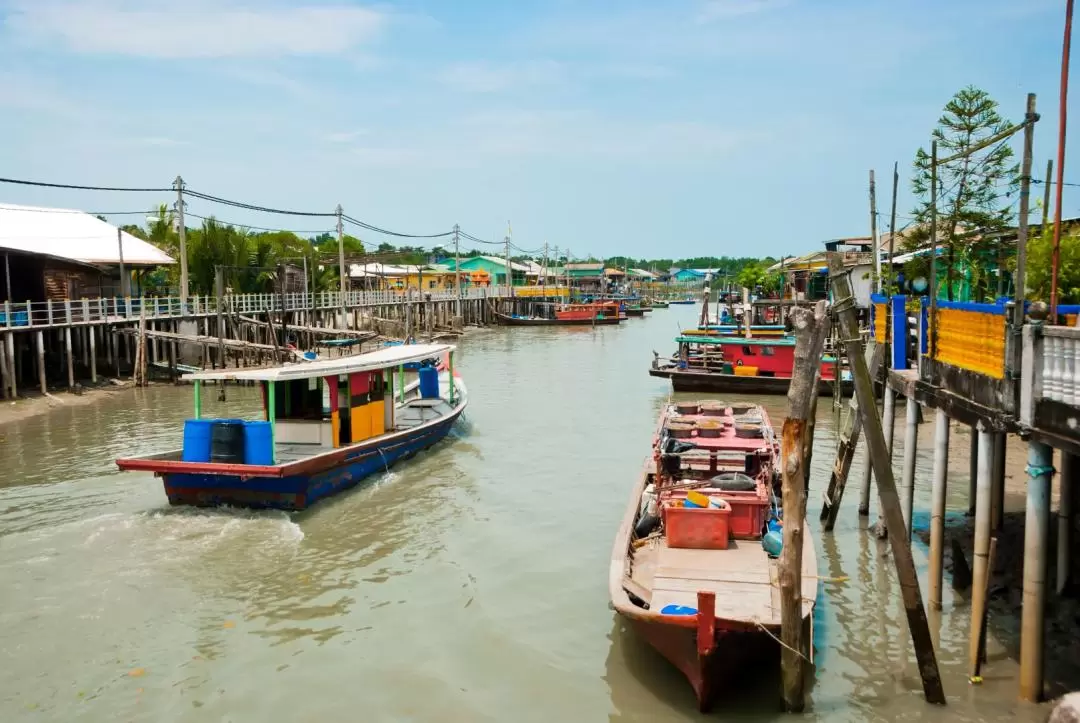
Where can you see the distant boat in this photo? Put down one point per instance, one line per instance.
(326, 426)
(689, 569)
(682, 301)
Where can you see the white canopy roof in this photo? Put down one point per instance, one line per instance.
(70, 234)
(390, 356)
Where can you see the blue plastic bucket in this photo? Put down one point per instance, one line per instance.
(258, 443)
(197, 440)
(429, 382)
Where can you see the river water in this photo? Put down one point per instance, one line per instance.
(468, 584)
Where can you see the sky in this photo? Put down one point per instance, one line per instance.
(651, 129)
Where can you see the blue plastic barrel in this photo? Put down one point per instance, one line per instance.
(197, 440)
(258, 443)
(429, 382)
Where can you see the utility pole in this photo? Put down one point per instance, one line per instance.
(892, 218)
(1046, 193)
(123, 276)
(509, 271)
(181, 231)
(543, 271)
(457, 268)
(1030, 117)
(1062, 116)
(556, 274)
(341, 259)
(933, 251)
(282, 274)
(873, 233)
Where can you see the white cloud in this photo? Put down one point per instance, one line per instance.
(194, 29)
(487, 77)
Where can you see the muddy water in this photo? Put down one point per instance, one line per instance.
(469, 584)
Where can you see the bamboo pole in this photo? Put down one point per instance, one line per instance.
(911, 442)
(40, 337)
(888, 497)
(810, 327)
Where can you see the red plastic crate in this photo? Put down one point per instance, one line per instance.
(699, 528)
(748, 513)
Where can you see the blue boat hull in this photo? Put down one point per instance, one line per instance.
(297, 492)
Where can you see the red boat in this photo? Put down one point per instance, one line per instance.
(708, 363)
(588, 312)
(689, 569)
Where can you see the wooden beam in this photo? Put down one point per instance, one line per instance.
(810, 327)
(888, 496)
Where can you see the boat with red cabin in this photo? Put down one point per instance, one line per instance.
(326, 425)
(710, 363)
(693, 569)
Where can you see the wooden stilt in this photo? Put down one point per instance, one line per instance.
(888, 418)
(40, 337)
(1036, 544)
(93, 354)
(973, 471)
(70, 358)
(889, 499)
(980, 563)
(997, 482)
(937, 509)
(911, 444)
(5, 373)
(1067, 479)
(810, 329)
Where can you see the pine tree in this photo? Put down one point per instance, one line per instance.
(975, 192)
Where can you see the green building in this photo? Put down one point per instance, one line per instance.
(493, 265)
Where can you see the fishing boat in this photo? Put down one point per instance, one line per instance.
(693, 568)
(685, 301)
(726, 364)
(326, 425)
(757, 330)
(659, 304)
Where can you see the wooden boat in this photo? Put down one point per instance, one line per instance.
(326, 426)
(634, 310)
(697, 584)
(682, 301)
(569, 320)
(756, 330)
(659, 304)
(725, 364)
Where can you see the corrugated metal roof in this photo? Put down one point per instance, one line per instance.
(70, 234)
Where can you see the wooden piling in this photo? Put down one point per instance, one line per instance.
(1036, 544)
(937, 507)
(1067, 479)
(911, 445)
(997, 482)
(93, 354)
(5, 374)
(980, 562)
(810, 327)
(70, 358)
(40, 338)
(973, 470)
(888, 421)
(889, 499)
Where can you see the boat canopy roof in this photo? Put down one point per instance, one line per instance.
(391, 356)
(736, 340)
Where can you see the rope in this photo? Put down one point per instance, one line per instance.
(782, 643)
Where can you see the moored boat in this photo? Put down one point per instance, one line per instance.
(725, 364)
(689, 569)
(566, 319)
(326, 426)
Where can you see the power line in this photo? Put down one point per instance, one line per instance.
(253, 228)
(253, 207)
(1054, 183)
(43, 184)
(377, 229)
(25, 209)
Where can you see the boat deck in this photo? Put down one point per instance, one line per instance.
(744, 579)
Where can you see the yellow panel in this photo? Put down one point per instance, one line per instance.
(880, 320)
(335, 427)
(360, 419)
(972, 340)
(378, 417)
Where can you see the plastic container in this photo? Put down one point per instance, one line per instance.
(773, 543)
(697, 528)
(227, 441)
(197, 440)
(429, 382)
(258, 443)
(748, 513)
(745, 371)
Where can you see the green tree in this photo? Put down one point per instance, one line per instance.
(1039, 267)
(974, 190)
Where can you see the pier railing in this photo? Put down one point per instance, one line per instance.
(37, 314)
(1050, 380)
